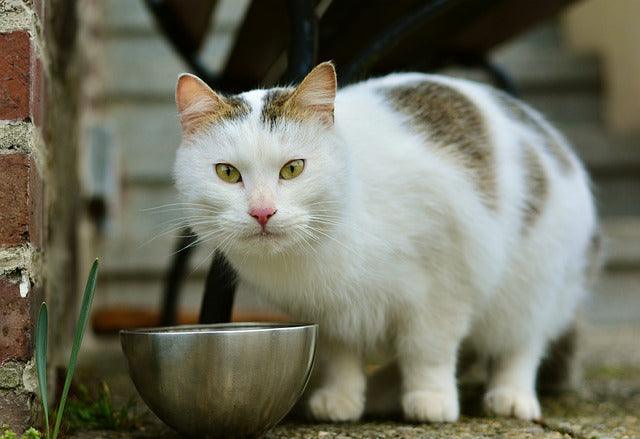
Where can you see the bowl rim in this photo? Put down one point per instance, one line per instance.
(218, 328)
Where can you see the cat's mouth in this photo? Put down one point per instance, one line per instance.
(266, 234)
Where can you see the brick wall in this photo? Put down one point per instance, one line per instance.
(27, 136)
(22, 87)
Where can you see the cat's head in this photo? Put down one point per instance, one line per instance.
(265, 170)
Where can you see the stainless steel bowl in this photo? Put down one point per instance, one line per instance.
(227, 380)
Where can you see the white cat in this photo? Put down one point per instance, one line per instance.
(403, 214)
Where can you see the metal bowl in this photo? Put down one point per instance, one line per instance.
(227, 380)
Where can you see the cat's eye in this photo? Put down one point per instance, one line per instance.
(228, 173)
(292, 169)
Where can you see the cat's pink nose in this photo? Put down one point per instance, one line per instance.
(262, 214)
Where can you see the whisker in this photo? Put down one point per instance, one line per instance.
(175, 227)
(162, 206)
(230, 236)
(349, 249)
(201, 240)
(325, 202)
(185, 220)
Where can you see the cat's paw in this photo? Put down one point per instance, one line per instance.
(430, 406)
(511, 401)
(336, 405)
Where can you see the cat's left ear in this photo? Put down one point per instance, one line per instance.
(316, 93)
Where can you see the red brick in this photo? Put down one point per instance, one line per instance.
(15, 322)
(15, 75)
(21, 200)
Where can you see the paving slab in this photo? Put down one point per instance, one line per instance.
(605, 405)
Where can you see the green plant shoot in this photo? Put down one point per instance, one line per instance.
(81, 326)
(42, 329)
(41, 351)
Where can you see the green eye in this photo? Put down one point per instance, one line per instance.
(228, 173)
(292, 169)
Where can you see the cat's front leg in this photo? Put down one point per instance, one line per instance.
(427, 359)
(341, 395)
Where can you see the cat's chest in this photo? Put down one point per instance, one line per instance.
(291, 281)
(347, 303)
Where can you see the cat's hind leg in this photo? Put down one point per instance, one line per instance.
(511, 388)
(341, 395)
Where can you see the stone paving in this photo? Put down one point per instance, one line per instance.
(609, 409)
(606, 405)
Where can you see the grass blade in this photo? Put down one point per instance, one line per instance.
(42, 331)
(81, 326)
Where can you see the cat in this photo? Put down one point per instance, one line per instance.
(403, 214)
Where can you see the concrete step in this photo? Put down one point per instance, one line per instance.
(141, 63)
(615, 300)
(139, 242)
(132, 16)
(622, 243)
(146, 136)
(539, 60)
(145, 67)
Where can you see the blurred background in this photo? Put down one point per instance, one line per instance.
(580, 68)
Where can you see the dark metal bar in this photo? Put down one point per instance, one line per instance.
(339, 16)
(389, 38)
(258, 43)
(175, 277)
(303, 39)
(219, 292)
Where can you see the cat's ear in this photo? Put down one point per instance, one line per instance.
(317, 92)
(197, 103)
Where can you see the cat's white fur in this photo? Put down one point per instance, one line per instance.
(386, 243)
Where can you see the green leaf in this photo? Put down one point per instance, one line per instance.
(81, 326)
(5, 433)
(31, 433)
(42, 330)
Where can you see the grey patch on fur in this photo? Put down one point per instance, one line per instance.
(518, 111)
(454, 123)
(274, 108)
(239, 107)
(231, 108)
(536, 187)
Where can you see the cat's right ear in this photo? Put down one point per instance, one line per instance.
(198, 105)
